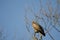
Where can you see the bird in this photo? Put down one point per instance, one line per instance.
(38, 28)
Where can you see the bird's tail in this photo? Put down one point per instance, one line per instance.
(42, 33)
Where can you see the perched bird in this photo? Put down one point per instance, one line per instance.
(38, 28)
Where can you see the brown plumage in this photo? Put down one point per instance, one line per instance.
(38, 28)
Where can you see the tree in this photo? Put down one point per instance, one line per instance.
(48, 16)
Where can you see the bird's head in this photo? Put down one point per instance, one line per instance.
(33, 22)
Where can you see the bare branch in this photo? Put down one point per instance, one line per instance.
(56, 28)
(51, 36)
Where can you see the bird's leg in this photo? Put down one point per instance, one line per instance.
(40, 36)
(34, 33)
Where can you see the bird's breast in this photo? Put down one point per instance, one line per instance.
(35, 26)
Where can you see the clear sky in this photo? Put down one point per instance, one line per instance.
(12, 18)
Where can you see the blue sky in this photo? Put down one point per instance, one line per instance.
(12, 18)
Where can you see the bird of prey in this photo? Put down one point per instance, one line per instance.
(38, 28)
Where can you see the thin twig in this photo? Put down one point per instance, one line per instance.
(55, 28)
(51, 36)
